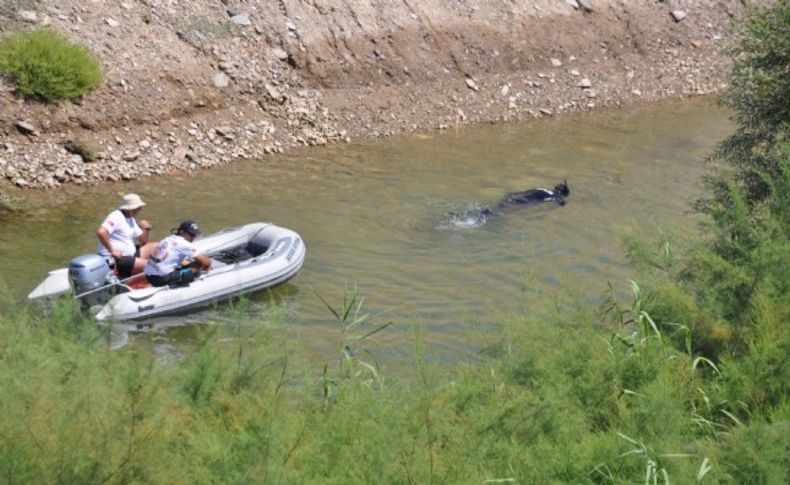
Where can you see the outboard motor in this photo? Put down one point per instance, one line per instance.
(88, 273)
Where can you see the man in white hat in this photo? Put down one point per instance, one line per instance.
(117, 234)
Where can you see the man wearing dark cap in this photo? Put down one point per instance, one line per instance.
(176, 261)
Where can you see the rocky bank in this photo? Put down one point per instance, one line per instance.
(192, 84)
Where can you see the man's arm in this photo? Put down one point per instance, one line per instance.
(203, 261)
(104, 238)
(145, 226)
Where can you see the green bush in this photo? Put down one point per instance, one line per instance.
(84, 148)
(760, 95)
(45, 64)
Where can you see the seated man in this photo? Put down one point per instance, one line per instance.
(117, 234)
(176, 261)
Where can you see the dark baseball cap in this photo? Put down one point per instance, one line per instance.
(190, 227)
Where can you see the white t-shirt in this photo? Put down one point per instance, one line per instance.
(122, 231)
(169, 254)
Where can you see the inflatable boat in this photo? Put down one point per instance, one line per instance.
(243, 259)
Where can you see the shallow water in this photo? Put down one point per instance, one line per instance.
(386, 217)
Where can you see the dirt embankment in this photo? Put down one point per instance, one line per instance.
(196, 83)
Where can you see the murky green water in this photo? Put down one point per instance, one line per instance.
(377, 216)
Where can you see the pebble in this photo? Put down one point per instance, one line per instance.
(26, 128)
(220, 80)
(280, 54)
(28, 16)
(242, 20)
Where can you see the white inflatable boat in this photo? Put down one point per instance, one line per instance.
(244, 259)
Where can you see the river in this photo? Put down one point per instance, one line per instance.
(386, 217)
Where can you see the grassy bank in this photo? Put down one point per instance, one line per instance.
(568, 395)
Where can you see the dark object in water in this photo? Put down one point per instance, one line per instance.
(527, 197)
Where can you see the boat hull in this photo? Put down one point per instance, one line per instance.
(282, 255)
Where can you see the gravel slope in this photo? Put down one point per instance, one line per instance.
(193, 84)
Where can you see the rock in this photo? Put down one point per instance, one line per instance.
(573, 3)
(678, 15)
(26, 128)
(221, 80)
(290, 26)
(28, 16)
(556, 62)
(112, 22)
(242, 20)
(471, 84)
(585, 83)
(180, 153)
(225, 132)
(273, 93)
(86, 150)
(546, 112)
(280, 54)
(505, 89)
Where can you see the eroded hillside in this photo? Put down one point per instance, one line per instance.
(194, 84)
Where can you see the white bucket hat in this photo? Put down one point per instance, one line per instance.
(131, 202)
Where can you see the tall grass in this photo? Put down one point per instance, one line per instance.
(44, 64)
(570, 395)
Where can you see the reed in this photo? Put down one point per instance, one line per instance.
(561, 401)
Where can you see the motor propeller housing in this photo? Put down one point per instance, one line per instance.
(88, 273)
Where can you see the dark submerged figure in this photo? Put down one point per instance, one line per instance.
(527, 197)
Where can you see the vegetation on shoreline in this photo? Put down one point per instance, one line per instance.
(687, 381)
(44, 64)
(760, 96)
